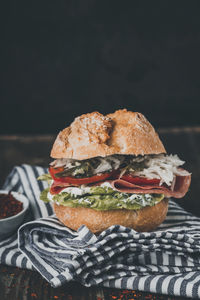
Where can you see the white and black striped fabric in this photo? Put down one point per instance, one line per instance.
(165, 261)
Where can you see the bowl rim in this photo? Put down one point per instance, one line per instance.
(19, 195)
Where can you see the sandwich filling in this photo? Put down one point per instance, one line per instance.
(116, 181)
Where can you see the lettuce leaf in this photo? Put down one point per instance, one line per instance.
(100, 200)
(43, 195)
(45, 177)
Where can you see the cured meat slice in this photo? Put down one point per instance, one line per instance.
(58, 187)
(180, 188)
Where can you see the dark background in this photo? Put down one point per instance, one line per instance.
(64, 58)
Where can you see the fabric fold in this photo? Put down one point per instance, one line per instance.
(165, 261)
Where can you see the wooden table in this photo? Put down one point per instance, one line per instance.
(17, 284)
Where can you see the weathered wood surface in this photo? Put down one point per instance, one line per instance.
(17, 284)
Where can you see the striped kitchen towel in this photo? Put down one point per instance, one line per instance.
(166, 261)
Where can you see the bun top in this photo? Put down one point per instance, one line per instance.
(93, 134)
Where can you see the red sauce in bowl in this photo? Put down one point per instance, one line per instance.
(9, 206)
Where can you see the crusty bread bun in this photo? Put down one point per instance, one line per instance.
(93, 134)
(145, 219)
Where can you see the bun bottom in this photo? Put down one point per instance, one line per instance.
(145, 219)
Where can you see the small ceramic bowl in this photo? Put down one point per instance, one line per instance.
(11, 224)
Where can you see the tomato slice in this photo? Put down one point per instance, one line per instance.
(101, 177)
(77, 181)
(53, 171)
(140, 180)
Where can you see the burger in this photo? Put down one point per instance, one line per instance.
(110, 170)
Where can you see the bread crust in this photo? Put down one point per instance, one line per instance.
(93, 134)
(145, 219)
